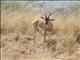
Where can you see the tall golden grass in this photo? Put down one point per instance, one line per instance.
(15, 21)
(20, 21)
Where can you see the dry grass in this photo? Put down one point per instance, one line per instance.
(17, 42)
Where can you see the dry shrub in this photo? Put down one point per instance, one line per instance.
(65, 26)
(66, 32)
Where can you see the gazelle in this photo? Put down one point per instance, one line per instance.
(44, 26)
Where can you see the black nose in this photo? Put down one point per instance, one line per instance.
(46, 23)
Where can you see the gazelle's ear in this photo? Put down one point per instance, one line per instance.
(52, 19)
(50, 14)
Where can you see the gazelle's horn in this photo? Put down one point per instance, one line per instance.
(49, 15)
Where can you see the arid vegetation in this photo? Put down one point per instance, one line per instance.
(17, 33)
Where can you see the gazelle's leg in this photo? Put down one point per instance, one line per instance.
(34, 38)
(49, 35)
(44, 36)
(34, 35)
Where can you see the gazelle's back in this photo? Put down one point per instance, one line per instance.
(41, 26)
(38, 26)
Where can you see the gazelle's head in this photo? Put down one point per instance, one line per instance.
(47, 18)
